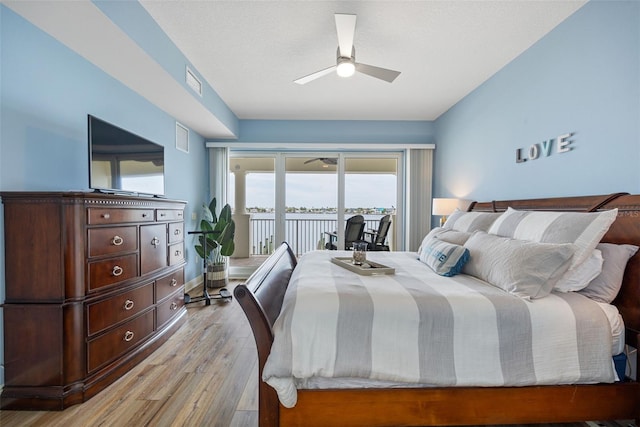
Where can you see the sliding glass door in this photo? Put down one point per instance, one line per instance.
(371, 190)
(311, 201)
(305, 198)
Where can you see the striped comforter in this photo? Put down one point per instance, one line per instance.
(419, 328)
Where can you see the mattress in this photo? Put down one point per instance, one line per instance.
(416, 329)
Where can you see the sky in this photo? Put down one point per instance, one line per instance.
(320, 190)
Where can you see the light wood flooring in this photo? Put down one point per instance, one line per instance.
(205, 375)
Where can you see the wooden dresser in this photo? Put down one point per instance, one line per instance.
(94, 284)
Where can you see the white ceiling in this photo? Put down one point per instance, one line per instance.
(251, 51)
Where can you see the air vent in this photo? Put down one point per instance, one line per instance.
(182, 137)
(194, 82)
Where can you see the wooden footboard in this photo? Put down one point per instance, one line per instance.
(262, 295)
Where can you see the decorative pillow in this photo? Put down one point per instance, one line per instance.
(523, 268)
(444, 258)
(579, 277)
(470, 221)
(582, 229)
(606, 286)
(448, 235)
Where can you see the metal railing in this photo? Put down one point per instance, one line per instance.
(302, 234)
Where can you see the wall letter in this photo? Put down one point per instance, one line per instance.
(546, 147)
(534, 152)
(519, 158)
(563, 143)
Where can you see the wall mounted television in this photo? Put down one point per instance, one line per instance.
(122, 162)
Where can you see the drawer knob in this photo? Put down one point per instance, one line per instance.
(105, 216)
(117, 270)
(144, 215)
(155, 242)
(128, 304)
(176, 232)
(117, 241)
(162, 214)
(128, 336)
(178, 253)
(173, 306)
(174, 282)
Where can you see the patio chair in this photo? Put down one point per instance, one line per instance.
(353, 231)
(376, 239)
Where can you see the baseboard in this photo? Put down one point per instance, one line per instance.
(236, 273)
(193, 284)
(240, 272)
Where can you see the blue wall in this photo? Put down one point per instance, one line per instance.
(583, 77)
(337, 131)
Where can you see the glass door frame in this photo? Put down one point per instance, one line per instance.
(280, 157)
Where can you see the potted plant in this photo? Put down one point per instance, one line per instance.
(217, 243)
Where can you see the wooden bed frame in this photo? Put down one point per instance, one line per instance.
(261, 299)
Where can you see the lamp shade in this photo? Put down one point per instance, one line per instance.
(444, 206)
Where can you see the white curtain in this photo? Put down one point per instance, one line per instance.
(419, 186)
(218, 173)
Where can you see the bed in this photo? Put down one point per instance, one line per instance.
(263, 295)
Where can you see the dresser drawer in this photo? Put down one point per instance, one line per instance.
(112, 240)
(97, 216)
(113, 270)
(169, 308)
(169, 215)
(176, 253)
(111, 345)
(104, 314)
(168, 284)
(176, 231)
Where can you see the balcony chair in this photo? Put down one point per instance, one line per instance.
(352, 233)
(376, 239)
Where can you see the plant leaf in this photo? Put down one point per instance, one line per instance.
(207, 214)
(212, 209)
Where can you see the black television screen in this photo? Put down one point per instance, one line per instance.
(120, 161)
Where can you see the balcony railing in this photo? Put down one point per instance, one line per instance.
(302, 234)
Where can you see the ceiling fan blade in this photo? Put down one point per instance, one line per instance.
(316, 75)
(311, 160)
(377, 72)
(346, 27)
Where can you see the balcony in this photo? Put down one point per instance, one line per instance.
(303, 232)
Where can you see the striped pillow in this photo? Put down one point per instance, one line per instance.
(470, 221)
(446, 259)
(522, 268)
(582, 229)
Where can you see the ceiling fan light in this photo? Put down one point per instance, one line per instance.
(346, 68)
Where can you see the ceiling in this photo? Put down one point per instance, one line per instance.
(250, 52)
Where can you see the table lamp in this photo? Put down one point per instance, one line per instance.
(444, 207)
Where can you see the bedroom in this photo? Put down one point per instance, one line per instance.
(582, 77)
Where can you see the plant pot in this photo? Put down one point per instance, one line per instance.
(217, 276)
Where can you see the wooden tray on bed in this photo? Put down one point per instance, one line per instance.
(369, 268)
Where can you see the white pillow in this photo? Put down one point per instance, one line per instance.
(579, 277)
(606, 286)
(448, 235)
(523, 268)
(444, 258)
(582, 229)
(470, 221)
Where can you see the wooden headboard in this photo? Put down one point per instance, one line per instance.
(625, 229)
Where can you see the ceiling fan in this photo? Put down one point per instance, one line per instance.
(346, 64)
(325, 160)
